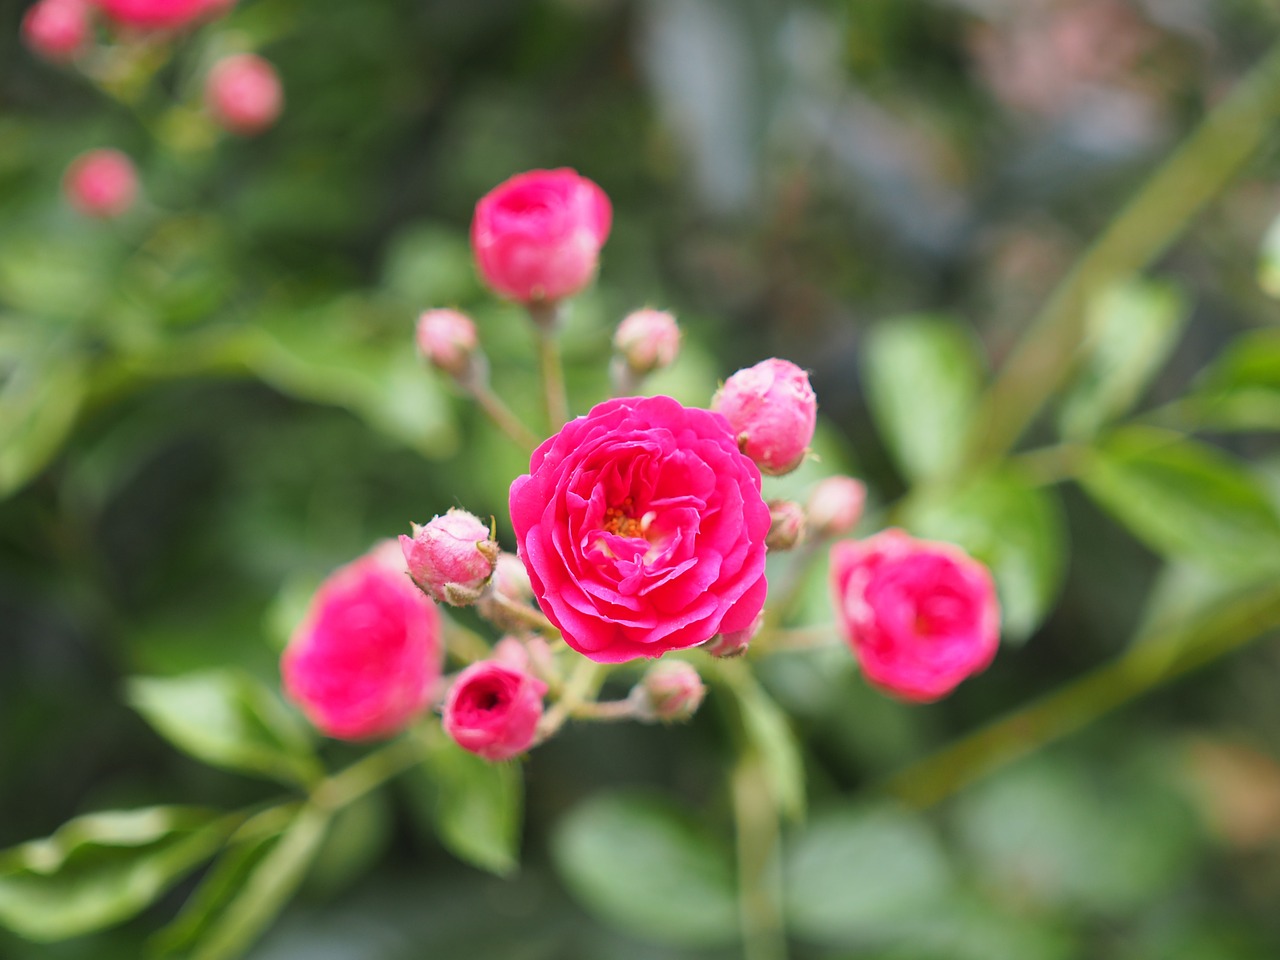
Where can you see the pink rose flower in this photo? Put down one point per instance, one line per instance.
(57, 30)
(493, 710)
(642, 528)
(101, 184)
(452, 557)
(162, 14)
(243, 94)
(773, 412)
(920, 616)
(537, 237)
(364, 661)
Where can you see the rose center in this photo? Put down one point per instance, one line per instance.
(619, 522)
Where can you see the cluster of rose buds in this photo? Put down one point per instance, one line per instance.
(242, 92)
(641, 530)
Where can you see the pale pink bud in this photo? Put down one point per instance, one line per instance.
(671, 691)
(648, 340)
(835, 506)
(364, 661)
(510, 652)
(493, 710)
(57, 30)
(101, 183)
(537, 236)
(786, 524)
(243, 94)
(772, 411)
(511, 579)
(452, 557)
(734, 644)
(919, 616)
(448, 340)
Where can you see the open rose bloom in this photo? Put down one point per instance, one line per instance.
(920, 616)
(493, 710)
(643, 529)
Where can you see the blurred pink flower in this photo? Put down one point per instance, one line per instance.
(642, 528)
(57, 30)
(162, 14)
(243, 94)
(493, 710)
(920, 616)
(101, 183)
(447, 338)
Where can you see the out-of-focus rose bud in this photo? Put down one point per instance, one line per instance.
(448, 340)
(452, 557)
(835, 506)
(735, 644)
(101, 184)
(670, 692)
(243, 94)
(920, 616)
(57, 30)
(493, 710)
(786, 526)
(364, 661)
(511, 579)
(510, 652)
(162, 14)
(537, 237)
(648, 340)
(772, 411)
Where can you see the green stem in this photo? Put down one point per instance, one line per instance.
(792, 584)
(1050, 465)
(557, 400)
(1144, 667)
(502, 417)
(1151, 221)
(582, 686)
(369, 773)
(795, 640)
(759, 876)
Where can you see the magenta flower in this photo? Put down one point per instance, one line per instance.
(101, 184)
(364, 661)
(773, 412)
(642, 528)
(920, 616)
(537, 237)
(243, 94)
(162, 14)
(57, 30)
(493, 710)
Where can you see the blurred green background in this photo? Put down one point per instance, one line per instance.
(207, 405)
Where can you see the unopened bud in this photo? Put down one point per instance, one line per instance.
(243, 94)
(734, 644)
(787, 524)
(448, 340)
(101, 183)
(772, 411)
(670, 692)
(57, 30)
(835, 506)
(451, 558)
(648, 340)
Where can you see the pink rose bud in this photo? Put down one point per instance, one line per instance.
(537, 237)
(920, 616)
(57, 30)
(101, 184)
(493, 710)
(243, 94)
(648, 340)
(671, 692)
(511, 579)
(772, 411)
(452, 557)
(364, 661)
(787, 524)
(448, 340)
(729, 645)
(835, 506)
(510, 652)
(151, 15)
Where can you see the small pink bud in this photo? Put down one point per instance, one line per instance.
(671, 691)
(648, 340)
(772, 411)
(835, 506)
(787, 524)
(510, 652)
(244, 95)
(57, 30)
(511, 579)
(451, 558)
(493, 710)
(101, 183)
(735, 644)
(448, 340)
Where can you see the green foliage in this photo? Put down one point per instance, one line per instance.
(1241, 389)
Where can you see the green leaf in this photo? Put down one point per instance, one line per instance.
(1013, 527)
(1269, 260)
(429, 265)
(229, 720)
(923, 375)
(643, 865)
(1185, 499)
(860, 875)
(475, 807)
(1240, 390)
(1132, 329)
(265, 890)
(39, 403)
(103, 868)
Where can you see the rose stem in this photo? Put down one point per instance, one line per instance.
(759, 882)
(501, 415)
(581, 687)
(546, 320)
